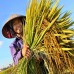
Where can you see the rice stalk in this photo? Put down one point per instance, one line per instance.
(44, 34)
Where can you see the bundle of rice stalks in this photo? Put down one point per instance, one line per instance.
(46, 31)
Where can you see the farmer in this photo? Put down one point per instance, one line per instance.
(13, 28)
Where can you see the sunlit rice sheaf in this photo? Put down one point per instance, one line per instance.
(46, 31)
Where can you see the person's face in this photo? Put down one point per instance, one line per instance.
(17, 26)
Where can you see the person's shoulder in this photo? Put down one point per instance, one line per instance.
(12, 44)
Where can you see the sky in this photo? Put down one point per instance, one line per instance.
(9, 7)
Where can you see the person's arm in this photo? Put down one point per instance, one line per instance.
(15, 57)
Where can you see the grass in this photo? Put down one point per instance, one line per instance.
(7, 71)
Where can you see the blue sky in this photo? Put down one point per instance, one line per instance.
(8, 7)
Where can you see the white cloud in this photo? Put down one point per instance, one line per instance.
(1, 42)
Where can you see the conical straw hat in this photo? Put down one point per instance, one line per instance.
(5, 30)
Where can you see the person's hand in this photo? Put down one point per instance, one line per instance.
(26, 51)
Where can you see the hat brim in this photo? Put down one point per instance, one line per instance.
(6, 33)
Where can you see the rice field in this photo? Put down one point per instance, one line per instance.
(47, 30)
(7, 71)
